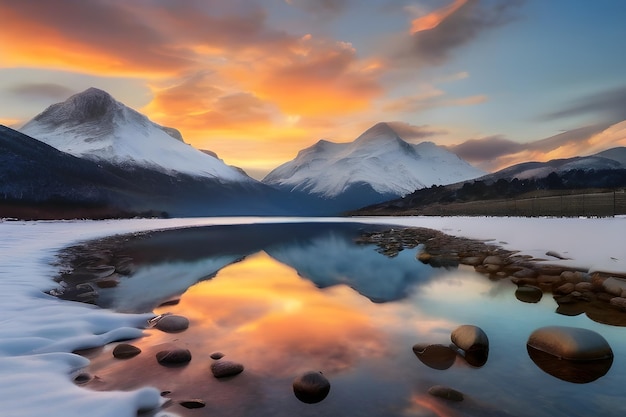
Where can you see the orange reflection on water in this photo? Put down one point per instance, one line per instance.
(424, 403)
(263, 311)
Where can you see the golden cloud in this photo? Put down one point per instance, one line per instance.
(434, 18)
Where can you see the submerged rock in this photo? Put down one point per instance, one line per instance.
(570, 343)
(217, 355)
(174, 357)
(222, 369)
(125, 351)
(435, 356)
(191, 404)
(172, 323)
(529, 294)
(446, 393)
(311, 387)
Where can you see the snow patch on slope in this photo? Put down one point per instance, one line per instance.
(95, 126)
(379, 157)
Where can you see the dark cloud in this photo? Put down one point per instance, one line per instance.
(573, 136)
(610, 103)
(411, 132)
(496, 152)
(461, 27)
(486, 149)
(48, 91)
(324, 8)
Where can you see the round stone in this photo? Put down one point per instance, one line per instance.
(222, 369)
(529, 294)
(493, 260)
(571, 343)
(217, 355)
(125, 351)
(174, 357)
(446, 393)
(469, 337)
(311, 387)
(435, 356)
(172, 323)
(474, 343)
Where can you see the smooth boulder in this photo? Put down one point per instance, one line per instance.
(474, 343)
(172, 323)
(311, 387)
(528, 294)
(174, 357)
(570, 343)
(125, 351)
(223, 369)
(435, 356)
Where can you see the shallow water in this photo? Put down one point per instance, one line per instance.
(287, 299)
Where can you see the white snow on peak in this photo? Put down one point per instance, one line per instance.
(93, 125)
(379, 157)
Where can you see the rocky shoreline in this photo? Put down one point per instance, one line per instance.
(600, 295)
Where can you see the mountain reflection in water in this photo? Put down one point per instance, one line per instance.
(286, 299)
(171, 261)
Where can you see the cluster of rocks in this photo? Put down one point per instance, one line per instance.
(568, 353)
(468, 342)
(86, 269)
(571, 288)
(310, 387)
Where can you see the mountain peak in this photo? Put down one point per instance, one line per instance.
(92, 104)
(93, 125)
(379, 132)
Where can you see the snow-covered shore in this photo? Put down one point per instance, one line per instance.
(38, 332)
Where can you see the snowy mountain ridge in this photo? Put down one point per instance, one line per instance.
(379, 158)
(93, 125)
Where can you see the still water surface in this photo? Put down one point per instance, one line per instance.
(306, 297)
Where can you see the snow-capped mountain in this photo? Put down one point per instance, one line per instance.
(93, 125)
(611, 159)
(378, 163)
(38, 181)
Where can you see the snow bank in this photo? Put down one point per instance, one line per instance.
(593, 244)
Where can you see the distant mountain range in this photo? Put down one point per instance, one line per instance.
(378, 166)
(91, 156)
(604, 170)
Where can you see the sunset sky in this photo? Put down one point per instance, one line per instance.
(499, 81)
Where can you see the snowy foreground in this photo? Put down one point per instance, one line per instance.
(38, 332)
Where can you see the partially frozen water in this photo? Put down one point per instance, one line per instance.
(315, 302)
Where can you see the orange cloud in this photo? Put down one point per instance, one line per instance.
(317, 78)
(433, 19)
(495, 153)
(85, 37)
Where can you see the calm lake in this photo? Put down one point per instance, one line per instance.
(283, 299)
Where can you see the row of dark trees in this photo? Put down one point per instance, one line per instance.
(510, 188)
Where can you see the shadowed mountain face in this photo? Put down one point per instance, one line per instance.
(41, 182)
